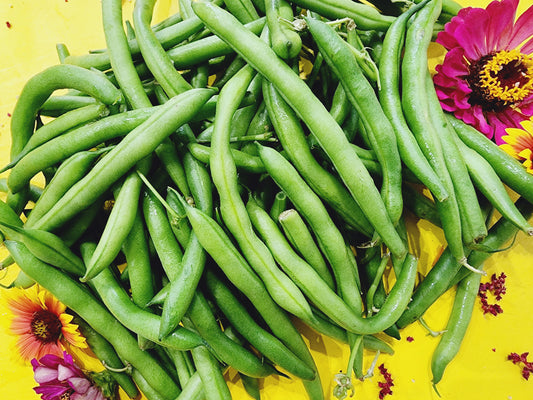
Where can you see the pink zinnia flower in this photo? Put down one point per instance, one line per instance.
(486, 78)
(60, 379)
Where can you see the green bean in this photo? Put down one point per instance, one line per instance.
(138, 144)
(500, 233)
(182, 286)
(148, 391)
(312, 111)
(35, 191)
(193, 389)
(239, 317)
(236, 64)
(260, 123)
(233, 210)
(243, 161)
(324, 228)
(8, 216)
(362, 96)
(328, 236)
(235, 267)
(415, 104)
(300, 237)
(211, 374)
(42, 85)
(510, 171)
(447, 271)
(223, 347)
(200, 79)
(166, 246)
(340, 106)
(117, 227)
(77, 298)
(312, 285)
(200, 51)
(375, 344)
(79, 224)
(46, 246)
(135, 249)
(291, 135)
(168, 37)
(68, 173)
(279, 204)
(138, 320)
(378, 279)
(243, 10)
(284, 39)
(450, 340)
(364, 15)
(420, 205)
(120, 56)
(57, 105)
(178, 222)
(107, 354)
(60, 125)
(472, 221)
(389, 96)
(153, 53)
(82, 138)
(183, 363)
(490, 185)
(251, 386)
(168, 155)
(186, 9)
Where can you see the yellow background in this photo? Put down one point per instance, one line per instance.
(480, 371)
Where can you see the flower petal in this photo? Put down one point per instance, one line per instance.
(80, 385)
(65, 372)
(522, 28)
(499, 30)
(44, 375)
(471, 34)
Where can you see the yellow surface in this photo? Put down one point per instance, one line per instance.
(480, 371)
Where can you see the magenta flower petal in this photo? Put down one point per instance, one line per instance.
(61, 377)
(51, 392)
(502, 16)
(80, 385)
(486, 78)
(522, 29)
(44, 374)
(65, 372)
(468, 35)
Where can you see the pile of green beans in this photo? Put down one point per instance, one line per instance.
(242, 164)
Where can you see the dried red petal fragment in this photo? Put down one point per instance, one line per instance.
(385, 387)
(527, 366)
(496, 286)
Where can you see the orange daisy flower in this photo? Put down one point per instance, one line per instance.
(519, 144)
(41, 324)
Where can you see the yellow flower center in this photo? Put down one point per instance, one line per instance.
(508, 76)
(46, 326)
(501, 79)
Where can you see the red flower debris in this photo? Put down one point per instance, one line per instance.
(8, 24)
(527, 367)
(496, 286)
(385, 387)
(409, 339)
